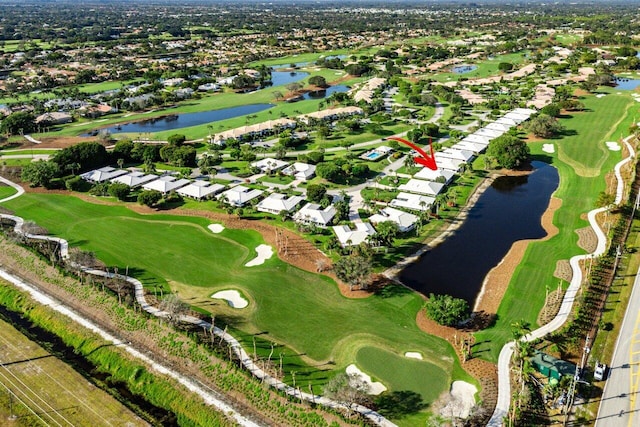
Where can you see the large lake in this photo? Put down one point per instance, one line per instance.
(509, 210)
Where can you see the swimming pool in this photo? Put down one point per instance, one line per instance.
(373, 155)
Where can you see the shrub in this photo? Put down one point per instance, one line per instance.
(447, 310)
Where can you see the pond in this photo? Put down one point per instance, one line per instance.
(320, 94)
(509, 210)
(177, 121)
(465, 68)
(279, 78)
(625, 83)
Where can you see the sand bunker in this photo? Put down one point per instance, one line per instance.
(413, 355)
(233, 298)
(461, 400)
(216, 228)
(548, 148)
(613, 146)
(374, 388)
(264, 253)
(600, 95)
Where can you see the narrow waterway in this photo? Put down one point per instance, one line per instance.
(509, 210)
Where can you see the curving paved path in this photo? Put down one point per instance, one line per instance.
(504, 385)
(211, 397)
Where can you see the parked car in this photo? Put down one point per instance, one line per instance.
(600, 371)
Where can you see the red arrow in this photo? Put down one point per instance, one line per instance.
(424, 159)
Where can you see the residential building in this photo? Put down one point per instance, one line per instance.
(276, 203)
(200, 190)
(430, 188)
(135, 179)
(312, 213)
(405, 221)
(348, 237)
(165, 184)
(240, 195)
(414, 202)
(269, 164)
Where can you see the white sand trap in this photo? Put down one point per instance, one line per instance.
(374, 388)
(548, 148)
(216, 228)
(461, 400)
(233, 298)
(413, 355)
(601, 95)
(613, 146)
(264, 253)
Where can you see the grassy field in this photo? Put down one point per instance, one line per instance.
(486, 68)
(581, 152)
(6, 191)
(53, 389)
(328, 331)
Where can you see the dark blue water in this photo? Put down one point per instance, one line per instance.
(625, 83)
(461, 69)
(319, 94)
(509, 210)
(178, 121)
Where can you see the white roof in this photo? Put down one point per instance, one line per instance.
(506, 121)
(517, 117)
(239, 195)
(200, 189)
(268, 164)
(103, 174)
(448, 163)
(456, 153)
(165, 183)
(348, 237)
(277, 202)
(134, 179)
(498, 126)
(491, 133)
(300, 170)
(422, 187)
(405, 220)
(312, 212)
(412, 201)
(433, 175)
(479, 139)
(476, 147)
(524, 111)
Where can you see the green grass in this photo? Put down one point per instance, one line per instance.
(328, 330)
(580, 151)
(6, 191)
(486, 68)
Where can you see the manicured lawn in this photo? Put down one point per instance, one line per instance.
(316, 329)
(486, 68)
(6, 191)
(581, 151)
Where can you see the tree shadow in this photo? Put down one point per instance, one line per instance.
(399, 404)
(389, 290)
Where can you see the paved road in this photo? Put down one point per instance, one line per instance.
(619, 405)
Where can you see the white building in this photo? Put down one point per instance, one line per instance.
(348, 237)
(448, 163)
(490, 133)
(268, 164)
(312, 213)
(470, 146)
(404, 220)
(200, 190)
(301, 171)
(458, 154)
(478, 139)
(240, 195)
(435, 175)
(135, 179)
(498, 126)
(103, 174)
(165, 184)
(430, 188)
(414, 202)
(276, 203)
